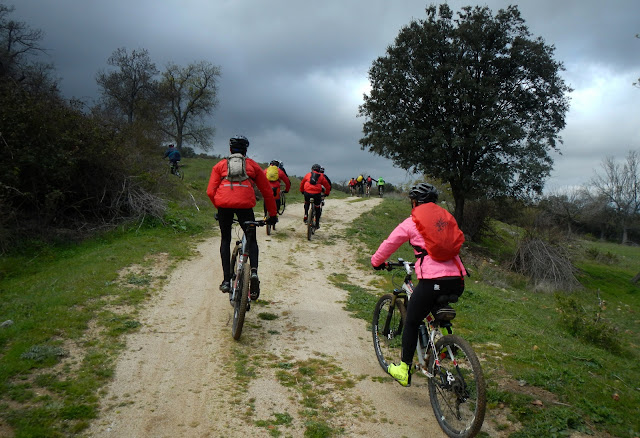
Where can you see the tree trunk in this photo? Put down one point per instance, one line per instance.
(625, 236)
(458, 212)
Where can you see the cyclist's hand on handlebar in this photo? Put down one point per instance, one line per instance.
(381, 266)
(272, 220)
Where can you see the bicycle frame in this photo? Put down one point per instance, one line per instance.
(429, 330)
(243, 256)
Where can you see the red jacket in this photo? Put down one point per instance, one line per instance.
(276, 184)
(306, 186)
(224, 194)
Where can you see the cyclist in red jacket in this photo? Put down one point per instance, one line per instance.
(311, 187)
(275, 183)
(231, 194)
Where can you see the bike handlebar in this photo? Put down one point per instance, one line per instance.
(259, 223)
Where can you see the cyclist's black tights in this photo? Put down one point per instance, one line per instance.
(317, 199)
(421, 303)
(225, 217)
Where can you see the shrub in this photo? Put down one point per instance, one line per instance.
(547, 266)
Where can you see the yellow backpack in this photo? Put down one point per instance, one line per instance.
(272, 173)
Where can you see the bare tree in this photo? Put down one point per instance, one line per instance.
(192, 93)
(619, 186)
(17, 43)
(131, 87)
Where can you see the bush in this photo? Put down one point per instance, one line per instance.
(547, 266)
(588, 325)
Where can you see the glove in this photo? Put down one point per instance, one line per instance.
(272, 220)
(380, 266)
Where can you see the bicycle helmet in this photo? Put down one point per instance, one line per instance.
(322, 170)
(423, 193)
(274, 163)
(238, 143)
(315, 168)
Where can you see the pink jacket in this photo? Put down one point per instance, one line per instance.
(425, 268)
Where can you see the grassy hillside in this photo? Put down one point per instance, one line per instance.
(554, 362)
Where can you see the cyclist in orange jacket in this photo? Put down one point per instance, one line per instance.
(311, 187)
(239, 198)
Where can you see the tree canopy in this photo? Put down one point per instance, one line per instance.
(474, 101)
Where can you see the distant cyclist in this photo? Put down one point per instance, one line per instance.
(311, 187)
(369, 183)
(174, 157)
(275, 173)
(231, 192)
(380, 184)
(352, 186)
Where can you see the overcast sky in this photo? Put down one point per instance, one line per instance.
(294, 71)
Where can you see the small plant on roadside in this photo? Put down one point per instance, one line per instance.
(588, 324)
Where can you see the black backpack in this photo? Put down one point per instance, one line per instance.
(315, 176)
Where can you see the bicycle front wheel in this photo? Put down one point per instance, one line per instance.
(457, 389)
(240, 304)
(387, 325)
(282, 203)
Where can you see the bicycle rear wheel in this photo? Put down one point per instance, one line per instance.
(457, 390)
(311, 221)
(268, 227)
(282, 203)
(242, 297)
(387, 325)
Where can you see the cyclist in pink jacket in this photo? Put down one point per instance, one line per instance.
(434, 277)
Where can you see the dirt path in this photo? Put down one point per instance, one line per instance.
(302, 364)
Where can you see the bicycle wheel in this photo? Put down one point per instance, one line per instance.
(282, 203)
(457, 390)
(240, 304)
(179, 173)
(388, 322)
(268, 227)
(311, 221)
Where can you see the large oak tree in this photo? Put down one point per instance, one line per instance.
(473, 100)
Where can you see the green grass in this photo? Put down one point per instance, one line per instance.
(584, 364)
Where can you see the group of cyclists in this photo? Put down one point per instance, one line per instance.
(362, 185)
(230, 189)
(233, 195)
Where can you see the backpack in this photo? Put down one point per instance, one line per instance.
(443, 239)
(272, 173)
(236, 168)
(315, 176)
(369, 179)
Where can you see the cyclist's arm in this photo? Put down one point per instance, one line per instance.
(398, 236)
(285, 178)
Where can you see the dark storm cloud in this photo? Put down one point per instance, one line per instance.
(293, 72)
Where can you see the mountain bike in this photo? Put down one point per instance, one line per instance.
(176, 169)
(457, 389)
(311, 220)
(283, 202)
(240, 294)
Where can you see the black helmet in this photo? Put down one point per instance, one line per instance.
(274, 163)
(322, 170)
(315, 168)
(423, 193)
(239, 141)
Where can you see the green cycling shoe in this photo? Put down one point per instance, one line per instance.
(402, 373)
